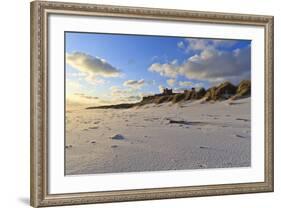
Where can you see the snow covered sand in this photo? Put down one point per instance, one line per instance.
(190, 135)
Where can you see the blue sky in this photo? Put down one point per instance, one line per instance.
(110, 68)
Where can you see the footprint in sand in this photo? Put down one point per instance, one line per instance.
(242, 119)
(240, 136)
(209, 115)
(140, 141)
(187, 123)
(203, 147)
(93, 127)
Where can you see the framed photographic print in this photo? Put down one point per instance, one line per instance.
(140, 103)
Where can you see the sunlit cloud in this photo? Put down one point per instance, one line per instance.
(75, 74)
(197, 44)
(94, 80)
(72, 86)
(213, 65)
(185, 84)
(171, 82)
(82, 98)
(136, 84)
(210, 65)
(166, 70)
(92, 67)
(121, 95)
(85, 96)
(180, 44)
(117, 91)
(161, 88)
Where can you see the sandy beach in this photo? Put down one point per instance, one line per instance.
(155, 137)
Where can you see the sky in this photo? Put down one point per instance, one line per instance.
(103, 69)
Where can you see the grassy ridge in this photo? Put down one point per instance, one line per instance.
(224, 91)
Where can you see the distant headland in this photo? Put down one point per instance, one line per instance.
(223, 91)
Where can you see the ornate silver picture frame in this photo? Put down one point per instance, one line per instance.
(40, 103)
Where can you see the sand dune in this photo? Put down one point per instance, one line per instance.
(187, 135)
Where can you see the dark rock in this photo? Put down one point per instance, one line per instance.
(118, 137)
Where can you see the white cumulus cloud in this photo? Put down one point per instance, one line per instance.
(171, 82)
(121, 95)
(210, 65)
(197, 44)
(185, 84)
(91, 66)
(161, 88)
(166, 70)
(216, 66)
(181, 44)
(136, 84)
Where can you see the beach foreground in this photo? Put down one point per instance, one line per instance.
(186, 135)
